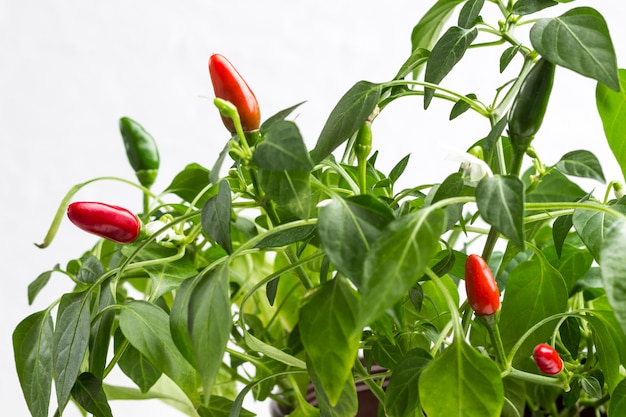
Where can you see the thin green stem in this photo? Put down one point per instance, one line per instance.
(372, 385)
(454, 312)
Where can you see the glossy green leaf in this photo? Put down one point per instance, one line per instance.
(345, 119)
(216, 217)
(32, 350)
(189, 182)
(71, 339)
(500, 200)
(90, 270)
(446, 53)
(88, 393)
(135, 365)
(220, 407)
(146, 327)
(283, 149)
(402, 393)
(612, 109)
(330, 332)
(526, 7)
(470, 13)
(346, 227)
(289, 189)
(398, 169)
(427, 30)
(281, 115)
(613, 269)
(579, 40)
(164, 390)
(397, 258)
(534, 290)
(581, 163)
(461, 382)
(617, 407)
(460, 107)
(209, 325)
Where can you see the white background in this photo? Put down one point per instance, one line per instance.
(70, 69)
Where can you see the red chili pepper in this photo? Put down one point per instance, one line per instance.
(229, 85)
(110, 222)
(547, 359)
(482, 290)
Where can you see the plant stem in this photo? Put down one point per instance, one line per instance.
(371, 384)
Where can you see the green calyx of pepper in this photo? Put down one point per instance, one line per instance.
(529, 107)
(141, 150)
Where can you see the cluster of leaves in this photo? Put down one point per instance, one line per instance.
(297, 268)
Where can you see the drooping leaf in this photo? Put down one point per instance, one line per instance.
(32, 350)
(216, 217)
(579, 40)
(470, 13)
(446, 53)
(88, 393)
(179, 320)
(606, 349)
(526, 7)
(581, 163)
(613, 268)
(283, 149)
(135, 365)
(330, 331)
(463, 372)
(500, 200)
(346, 118)
(39, 283)
(612, 109)
(427, 30)
(570, 335)
(507, 56)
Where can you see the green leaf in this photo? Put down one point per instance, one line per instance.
(146, 327)
(345, 119)
(286, 237)
(168, 276)
(402, 393)
(397, 258)
(418, 58)
(346, 227)
(554, 187)
(90, 270)
(581, 163)
(573, 263)
(461, 382)
(89, 394)
(578, 40)
(618, 400)
(100, 333)
(272, 352)
(189, 182)
(71, 339)
(570, 335)
(507, 56)
(348, 403)
(613, 269)
(534, 290)
(289, 189)
(32, 349)
(446, 53)
(461, 107)
(214, 174)
(490, 140)
(606, 350)
(470, 12)
(427, 30)
(398, 169)
(220, 407)
(283, 149)
(39, 283)
(135, 365)
(216, 217)
(526, 7)
(592, 226)
(330, 332)
(612, 109)
(281, 115)
(560, 230)
(179, 320)
(500, 200)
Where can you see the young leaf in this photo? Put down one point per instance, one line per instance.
(507, 56)
(570, 335)
(427, 30)
(39, 283)
(71, 339)
(579, 40)
(581, 163)
(289, 189)
(470, 12)
(398, 169)
(283, 149)
(270, 351)
(286, 237)
(346, 118)
(613, 268)
(460, 107)
(463, 372)
(32, 348)
(397, 258)
(418, 58)
(500, 200)
(216, 217)
(446, 53)
(89, 394)
(612, 109)
(281, 115)
(526, 7)
(330, 332)
(490, 140)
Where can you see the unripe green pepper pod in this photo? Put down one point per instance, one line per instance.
(530, 105)
(363, 143)
(141, 150)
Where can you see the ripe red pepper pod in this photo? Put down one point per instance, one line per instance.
(110, 222)
(547, 359)
(229, 85)
(482, 291)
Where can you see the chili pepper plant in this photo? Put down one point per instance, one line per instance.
(271, 266)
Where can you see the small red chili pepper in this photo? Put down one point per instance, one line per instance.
(229, 85)
(547, 359)
(482, 290)
(110, 222)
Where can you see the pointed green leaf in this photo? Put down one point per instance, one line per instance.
(39, 283)
(402, 393)
(607, 352)
(179, 320)
(398, 258)
(446, 53)
(470, 13)
(554, 187)
(88, 393)
(166, 277)
(418, 58)
(612, 109)
(500, 200)
(460, 107)
(216, 217)
(286, 237)
(281, 115)
(507, 56)
(345, 119)
(71, 339)
(463, 383)
(283, 149)
(272, 352)
(90, 270)
(427, 30)
(189, 182)
(581, 163)
(526, 7)
(330, 332)
(613, 269)
(100, 333)
(32, 349)
(289, 189)
(135, 365)
(579, 40)
(592, 226)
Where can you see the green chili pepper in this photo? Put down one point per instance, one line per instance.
(530, 105)
(141, 150)
(363, 143)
